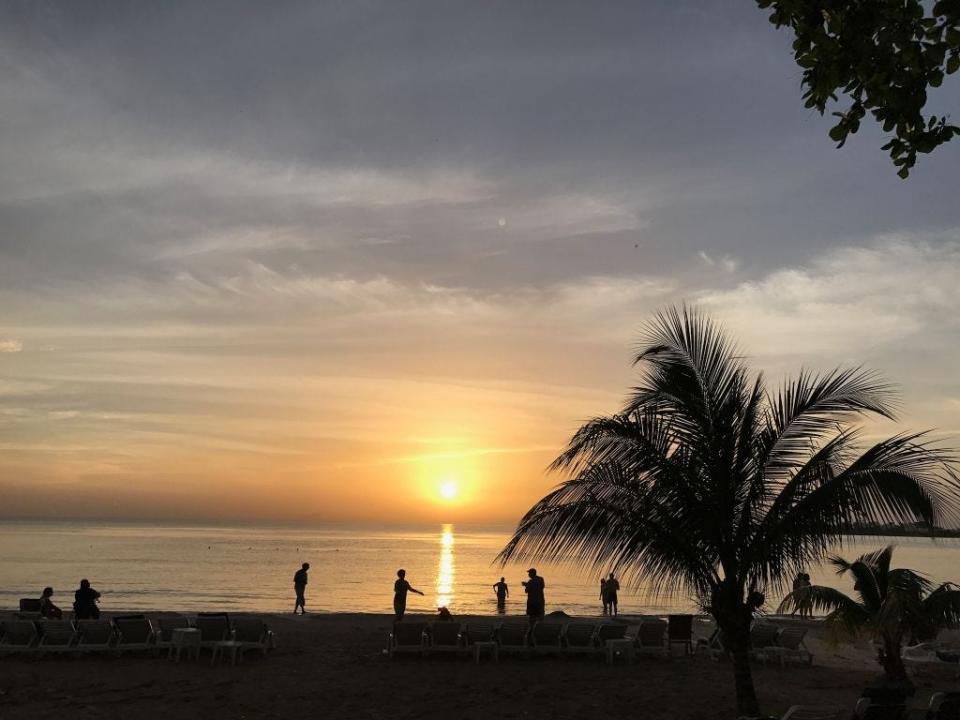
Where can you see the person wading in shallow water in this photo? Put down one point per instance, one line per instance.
(503, 592)
(536, 602)
(400, 589)
(300, 587)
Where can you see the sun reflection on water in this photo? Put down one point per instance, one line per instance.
(445, 568)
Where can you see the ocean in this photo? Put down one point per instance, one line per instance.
(250, 568)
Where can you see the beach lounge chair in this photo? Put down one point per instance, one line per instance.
(253, 634)
(214, 628)
(512, 638)
(789, 646)
(19, 636)
(57, 636)
(651, 637)
(545, 637)
(247, 634)
(944, 706)
(478, 637)
(680, 632)
(577, 639)
(763, 640)
(407, 638)
(443, 637)
(134, 632)
(94, 636)
(814, 712)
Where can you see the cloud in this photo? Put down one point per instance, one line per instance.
(11, 346)
(725, 262)
(848, 300)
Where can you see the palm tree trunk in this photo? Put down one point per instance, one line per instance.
(892, 662)
(739, 647)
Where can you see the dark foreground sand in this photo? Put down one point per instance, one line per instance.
(332, 666)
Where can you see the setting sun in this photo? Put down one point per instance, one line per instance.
(448, 489)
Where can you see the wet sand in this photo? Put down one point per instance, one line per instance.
(332, 666)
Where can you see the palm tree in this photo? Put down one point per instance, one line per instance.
(894, 605)
(709, 483)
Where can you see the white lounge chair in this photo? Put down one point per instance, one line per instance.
(57, 636)
(19, 636)
(247, 634)
(163, 640)
(134, 632)
(214, 628)
(790, 647)
(407, 638)
(443, 637)
(651, 638)
(578, 639)
(512, 638)
(944, 706)
(94, 636)
(545, 637)
(763, 641)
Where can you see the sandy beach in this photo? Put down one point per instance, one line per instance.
(332, 666)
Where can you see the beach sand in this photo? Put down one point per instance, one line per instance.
(332, 666)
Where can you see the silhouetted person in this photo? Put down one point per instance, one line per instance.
(610, 589)
(536, 603)
(300, 588)
(603, 595)
(85, 602)
(400, 589)
(503, 592)
(47, 608)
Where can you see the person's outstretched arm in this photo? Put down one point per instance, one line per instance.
(414, 590)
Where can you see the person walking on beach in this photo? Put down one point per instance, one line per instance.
(300, 588)
(503, 592)
(536, 602)
(400, 589)
(85, 602)
(603, 595)
(47, 608)
(610, 589)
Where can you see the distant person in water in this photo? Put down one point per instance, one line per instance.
(85, 602)
(603, 595)
(610, 589)
(300, 588)
(536, 602)
(47, 608)
(503, 592)
(400, 589)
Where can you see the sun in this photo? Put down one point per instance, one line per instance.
(448, 489)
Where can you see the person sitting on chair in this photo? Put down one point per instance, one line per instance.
(85, 602)
(47, 608)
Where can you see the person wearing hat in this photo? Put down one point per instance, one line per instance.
(536, 603)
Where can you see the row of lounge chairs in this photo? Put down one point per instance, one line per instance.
(783, 645)
(652, 636)
(217, 631)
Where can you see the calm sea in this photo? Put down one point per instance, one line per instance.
(166, 567)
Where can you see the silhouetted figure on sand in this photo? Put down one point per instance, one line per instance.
(85, 602)
(603, 595)
(503, 592)
(400, 589)
(47, 608)
(610, 589)
(300, 587)
(536, 602)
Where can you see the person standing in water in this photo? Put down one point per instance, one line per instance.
(503, 592)
(300, 588)
(536, 602)
(400, 589)
(610, 589)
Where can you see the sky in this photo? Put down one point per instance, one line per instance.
(304, 261)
